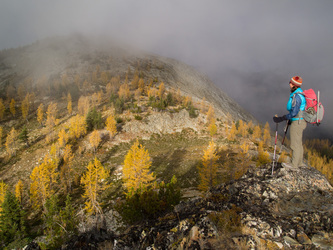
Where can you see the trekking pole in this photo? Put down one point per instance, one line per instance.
(276, 135)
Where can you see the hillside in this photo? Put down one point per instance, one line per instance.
(52, 58)
(57, 98)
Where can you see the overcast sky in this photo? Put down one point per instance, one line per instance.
(250, 49)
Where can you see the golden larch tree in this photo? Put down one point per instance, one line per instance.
(178, 96)
(69, 104)
(212, 128)
(12, 107)
(40, 113)
(210, 114)
(3, 191)
(62, 138)
(51, 115)
(242, 129)
(25, 107)
(135, 82)
(124, 92)
(78, 126)
(136, 170)
(256, 133)
(232, 132)
(244, 148)
(187, 101)
(161, 90)
(94, 182)
(2, 109)
(95, 139)
(43, 178)
(66, 171)
(267, 134)
(11, 142)
(141, 86)
(111, 125)
(19, 191)
(83, 105)
(208, 169)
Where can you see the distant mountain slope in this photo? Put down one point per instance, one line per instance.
(56, 56)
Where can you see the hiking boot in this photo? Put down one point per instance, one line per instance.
(288, 165)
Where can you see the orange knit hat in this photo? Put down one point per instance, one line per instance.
(296, 81)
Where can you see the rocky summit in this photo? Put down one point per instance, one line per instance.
(291, 209)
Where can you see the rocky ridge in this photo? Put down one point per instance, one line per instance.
(290, 210)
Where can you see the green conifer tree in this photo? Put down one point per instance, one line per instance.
(12, 219)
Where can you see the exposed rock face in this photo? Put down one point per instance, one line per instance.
(164, 123)
(292, 209)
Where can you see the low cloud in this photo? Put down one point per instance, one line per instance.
(249, 49)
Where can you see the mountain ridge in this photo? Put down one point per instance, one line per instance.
(55, 56)
(173, 128)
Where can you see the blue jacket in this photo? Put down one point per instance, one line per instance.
(295, 104)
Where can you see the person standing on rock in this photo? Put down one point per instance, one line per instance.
(295, 106)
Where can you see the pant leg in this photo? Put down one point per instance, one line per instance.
(296, 144)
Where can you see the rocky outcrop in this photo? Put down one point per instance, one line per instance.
(164, 123)
(290, 210)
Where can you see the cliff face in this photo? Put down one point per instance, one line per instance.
(291, 209)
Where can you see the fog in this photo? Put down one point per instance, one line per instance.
(250, 49)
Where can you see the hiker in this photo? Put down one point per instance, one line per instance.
(296, 105)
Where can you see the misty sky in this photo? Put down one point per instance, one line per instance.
(250, 49)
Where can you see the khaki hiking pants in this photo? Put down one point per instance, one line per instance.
(296, 145)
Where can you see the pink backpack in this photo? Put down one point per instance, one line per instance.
(314, 110)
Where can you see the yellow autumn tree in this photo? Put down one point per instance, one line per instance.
(83, 105)
(69, 104)
(40, 113)
(267, 135)
(178, 96)
(263, 156)
(124, 92)
(141, 86)
(210, 114)
(66, 171)
(19, 191)
(11, 142)
(25, 107)
(2, 109)
(208, 169)
(187, 101)
(62, 138)
(256, 133)
(95, 139)
(136, 170)
(12, 107)
(78, 126)
(244, 148)
(94, 182)
(43, 178)
(212, 128)
(232, 132)
(51, 115)
(111, 125)
(161, 90)
(242, 128)
(3, 191)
